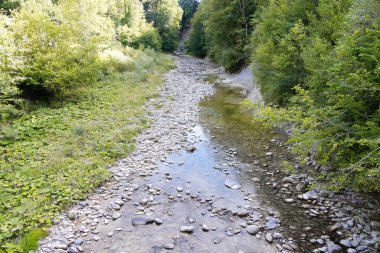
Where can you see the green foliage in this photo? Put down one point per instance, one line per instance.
(196, 44)
(56, 151)
(150, 39)
(58, 45)
(223, 29)
(166, 17)
(320, 59)
(10, 105)
(9, 5)
(335, 106)
(189, 7)
(134, 30)
(57, 154)
(277, 44)
(30, 241)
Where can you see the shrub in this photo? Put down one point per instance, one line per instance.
(57, 57)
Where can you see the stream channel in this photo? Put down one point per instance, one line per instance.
(227, 147)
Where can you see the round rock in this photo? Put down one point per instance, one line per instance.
(253, 229)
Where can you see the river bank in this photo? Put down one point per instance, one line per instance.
(204, 178)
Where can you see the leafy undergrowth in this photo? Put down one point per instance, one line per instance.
(57, 154)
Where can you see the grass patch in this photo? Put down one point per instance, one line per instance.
(30, 240)
(57, 154)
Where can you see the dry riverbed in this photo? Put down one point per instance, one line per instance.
(200, 185)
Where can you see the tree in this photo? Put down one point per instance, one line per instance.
(226, 28)
(277, 42)
(59, 44)
(133, 28)
(166, 18)
(196, 43)
(189, 8)
(335, 110)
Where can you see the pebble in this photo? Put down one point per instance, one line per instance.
(72, 214)
(272, 223)
(205, 228)
(116, 216)
(312, 195)
(346, 243)
(289, 200)
(253, 229)
(142, 220)
(169, 246)
(186, 229)
(333, 248)
(232, 184)
(269, 237)
(158, 221)
(60, 246)
(78, 241)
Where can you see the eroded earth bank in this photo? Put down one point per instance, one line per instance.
(204, 178)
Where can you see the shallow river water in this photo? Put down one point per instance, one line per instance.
(204, 178)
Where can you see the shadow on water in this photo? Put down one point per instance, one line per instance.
(231, 126)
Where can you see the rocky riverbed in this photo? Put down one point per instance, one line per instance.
(204, 178)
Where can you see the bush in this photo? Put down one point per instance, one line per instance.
(56, 56)
(148, 39)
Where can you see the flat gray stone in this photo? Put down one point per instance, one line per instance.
(116, 216)
(333, 248)
(79, 241)
(186, 229)
(345, 243)
(272, 223)
(312, 195)
(169, 246)
(232, 184)
(142, 220)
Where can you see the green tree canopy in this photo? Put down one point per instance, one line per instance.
(226, 28)
(166, 17)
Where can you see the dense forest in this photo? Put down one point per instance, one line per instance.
(317, 64)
